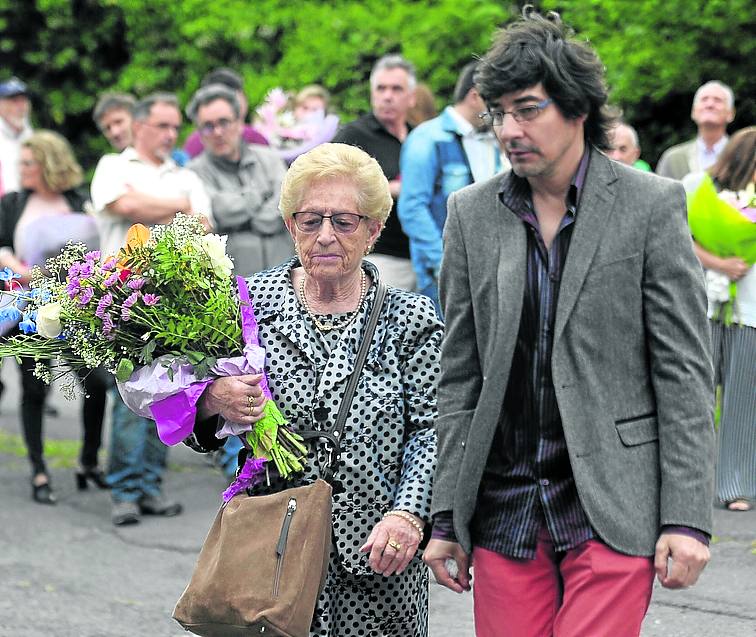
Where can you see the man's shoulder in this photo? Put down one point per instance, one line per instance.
(262, 154)
(641, 183)
(359, 129)
(431, 130)
(679, 149)
(111, 164)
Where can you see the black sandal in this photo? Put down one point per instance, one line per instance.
(43, 493)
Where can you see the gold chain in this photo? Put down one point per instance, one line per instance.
(327, 326)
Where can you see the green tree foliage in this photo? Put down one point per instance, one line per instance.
(656, 52)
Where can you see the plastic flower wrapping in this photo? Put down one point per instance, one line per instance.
(724, 224)
(166, 317)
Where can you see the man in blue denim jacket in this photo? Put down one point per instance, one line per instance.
(438, 157)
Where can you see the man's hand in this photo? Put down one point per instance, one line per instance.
(436, 555)
(688, 555)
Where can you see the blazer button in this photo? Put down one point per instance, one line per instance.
(463, 444)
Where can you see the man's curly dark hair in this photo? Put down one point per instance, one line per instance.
(542, 49)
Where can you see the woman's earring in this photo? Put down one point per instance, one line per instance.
(368, 249)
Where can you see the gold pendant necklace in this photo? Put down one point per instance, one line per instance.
(327, 326)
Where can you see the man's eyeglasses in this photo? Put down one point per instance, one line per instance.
(208, 128)
(342, 222)
(522, 114)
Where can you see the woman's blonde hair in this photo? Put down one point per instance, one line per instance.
(337, 161)
(313, 90)
(60, 170)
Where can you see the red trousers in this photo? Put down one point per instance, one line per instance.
(589, 591)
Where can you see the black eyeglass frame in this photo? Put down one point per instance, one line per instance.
(223, 124)
(322, 217)
(521, 114)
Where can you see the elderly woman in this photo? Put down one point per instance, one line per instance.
(312, 313)
(39, 214)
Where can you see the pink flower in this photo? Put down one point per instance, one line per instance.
(150, 299)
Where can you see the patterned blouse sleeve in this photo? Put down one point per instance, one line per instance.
(420, 371)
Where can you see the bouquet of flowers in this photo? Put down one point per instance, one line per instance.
(724, 224)
(164, 317)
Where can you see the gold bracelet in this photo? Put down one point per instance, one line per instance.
(409, 518)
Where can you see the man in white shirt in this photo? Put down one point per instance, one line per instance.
(142, 185)
(713, 109)
(14, 131)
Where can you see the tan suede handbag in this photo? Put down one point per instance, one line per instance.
(265, 559)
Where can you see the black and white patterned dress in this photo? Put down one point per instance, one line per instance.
(388, 452)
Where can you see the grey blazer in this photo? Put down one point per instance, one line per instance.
(678, 161)
(631, 362)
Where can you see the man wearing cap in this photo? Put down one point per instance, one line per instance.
(14, 130)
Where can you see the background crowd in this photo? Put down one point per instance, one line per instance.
(228, 170)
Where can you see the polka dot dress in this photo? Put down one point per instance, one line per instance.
(388, 450)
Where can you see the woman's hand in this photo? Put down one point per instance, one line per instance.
(237, 398)
(392, 544)
(733, 267)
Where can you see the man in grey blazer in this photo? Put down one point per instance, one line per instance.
(575, 404)
(713, 109)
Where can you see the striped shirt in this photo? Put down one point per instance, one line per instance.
(528, 480)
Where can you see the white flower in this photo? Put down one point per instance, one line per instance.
(214, 246)
(717, 286)
(48, 320)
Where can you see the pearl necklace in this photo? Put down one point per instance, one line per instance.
(327, 326)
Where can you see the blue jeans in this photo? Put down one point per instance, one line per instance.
(137, 457)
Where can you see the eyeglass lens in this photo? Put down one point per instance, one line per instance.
(342, 222)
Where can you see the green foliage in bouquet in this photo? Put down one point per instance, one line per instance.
(168, 293)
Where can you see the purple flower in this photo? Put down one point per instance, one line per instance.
(110, 264)
(107, 325)
(73, 288)
(136, 284)
(150, 299)
(86, 296)
(111, 280)
(94, 255)
(74, 271)
(86, 270)
(252, 473)
(131, 299)
(125, 314)
(105, 302)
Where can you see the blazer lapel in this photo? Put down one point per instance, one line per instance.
(510, 282)
(595, 206)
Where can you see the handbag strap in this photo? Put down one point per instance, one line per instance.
(333, 435)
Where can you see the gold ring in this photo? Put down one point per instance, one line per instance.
(251, 401)
(394, 545)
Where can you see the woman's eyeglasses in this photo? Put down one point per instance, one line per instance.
(342, 222)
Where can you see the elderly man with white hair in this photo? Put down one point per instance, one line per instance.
(626, 146)
(713, 109)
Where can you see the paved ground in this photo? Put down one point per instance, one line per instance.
(65, 571)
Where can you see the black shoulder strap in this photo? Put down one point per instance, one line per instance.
(333, 435)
